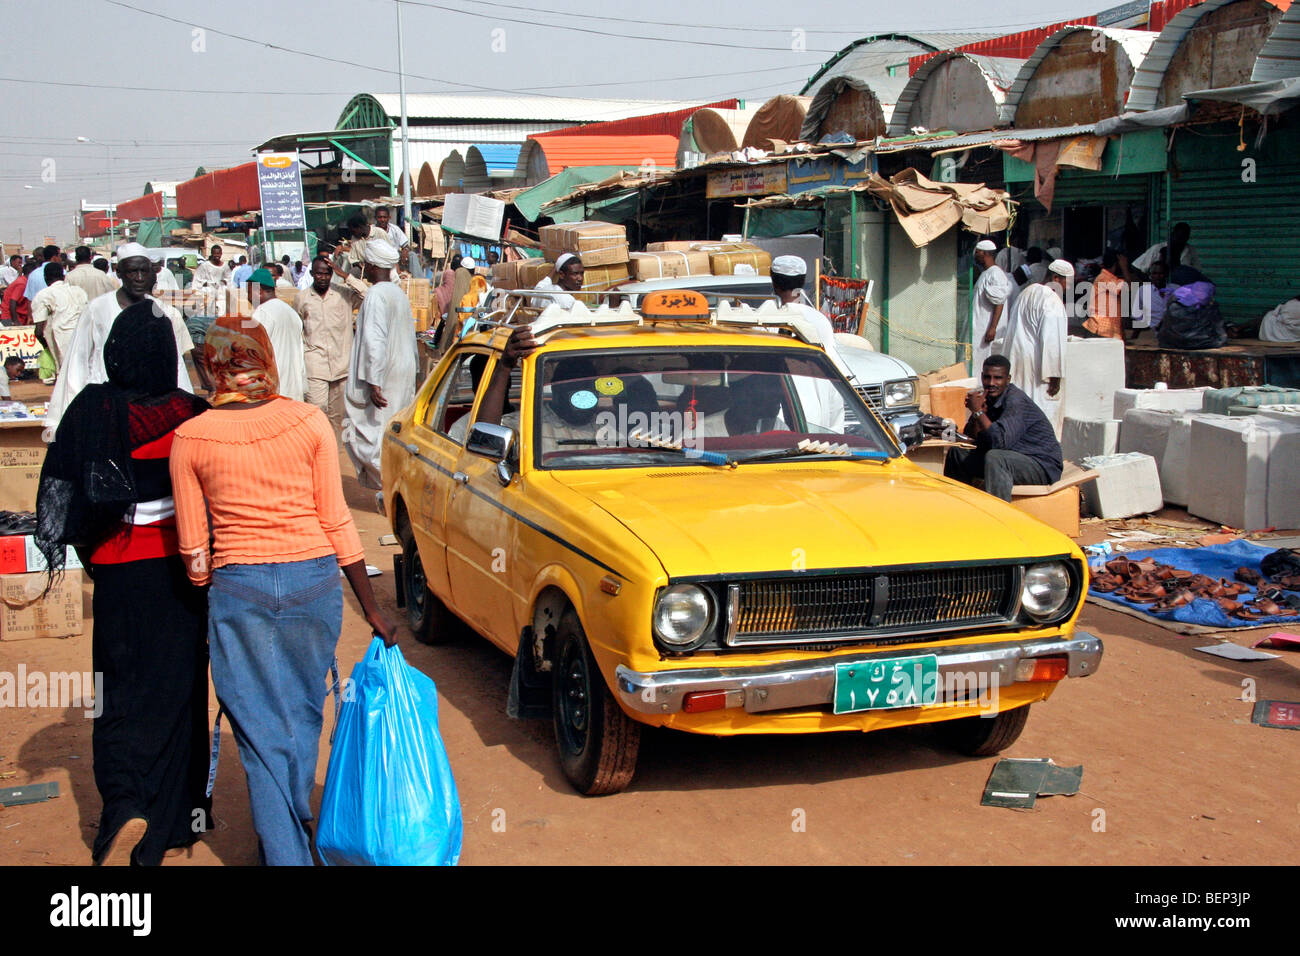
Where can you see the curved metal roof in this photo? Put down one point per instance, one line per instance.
(1147, 79)
(495, 157)
(999, 73)
(1134, 43)
(376, 109)
(853, 58)
(1280, 57)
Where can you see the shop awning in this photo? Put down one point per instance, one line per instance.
(1269, 98)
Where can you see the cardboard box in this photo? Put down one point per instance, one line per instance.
(724, 257)
(602, 279)
(676, 245)
(948, 400)
(1059, 510)
(19, 555)
(596, 243)
(418, 291)
(25, 614)
(669, 264)
(21, 455)
(503, 274)
(529, 272)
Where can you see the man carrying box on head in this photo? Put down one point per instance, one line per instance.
(1014, 441)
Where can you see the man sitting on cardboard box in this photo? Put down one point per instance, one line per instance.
(1014, 441)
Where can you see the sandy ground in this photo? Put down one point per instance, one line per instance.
(1174, 771)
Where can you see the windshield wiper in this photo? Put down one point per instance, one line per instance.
(809, 447)
(705, 457)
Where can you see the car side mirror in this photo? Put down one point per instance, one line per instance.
(495, 442)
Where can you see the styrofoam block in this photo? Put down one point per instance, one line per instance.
(1082, 437)
(1094, 369)
(1287, 413)
(1176, 465)
(1126, 485)
(1228, 471)
(1171, 399)
(1283, 471)
(1146, 430)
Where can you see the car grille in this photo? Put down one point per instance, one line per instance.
(872, 395)
(871, 604)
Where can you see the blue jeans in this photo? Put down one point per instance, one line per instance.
(272, 630)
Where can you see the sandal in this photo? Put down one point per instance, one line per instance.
(1249, 576)
(124, 842)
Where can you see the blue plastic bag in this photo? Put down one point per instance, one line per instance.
(390, 799)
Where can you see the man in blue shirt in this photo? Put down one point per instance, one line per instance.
(36, 281)
(242, 271)
(1014, 441)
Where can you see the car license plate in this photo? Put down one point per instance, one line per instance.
(887, 684)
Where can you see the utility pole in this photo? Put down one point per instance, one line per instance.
(112, 206)
(406, 147)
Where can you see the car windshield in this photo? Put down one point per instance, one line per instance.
(662, 407)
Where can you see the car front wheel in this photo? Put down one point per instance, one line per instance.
(984, 736)
(598, 743)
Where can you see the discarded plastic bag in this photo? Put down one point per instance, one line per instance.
(390, 798)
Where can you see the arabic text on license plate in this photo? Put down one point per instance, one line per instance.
(886, 684)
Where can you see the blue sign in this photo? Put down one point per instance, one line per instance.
(279, 181)
(813, 173)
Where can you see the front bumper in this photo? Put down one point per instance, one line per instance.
(805, 684)
(900, 418)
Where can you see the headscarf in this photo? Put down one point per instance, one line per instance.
(241, 361)
(89, 482)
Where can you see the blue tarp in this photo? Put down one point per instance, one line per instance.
(1215, 561)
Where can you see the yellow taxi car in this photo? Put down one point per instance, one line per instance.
(686, 517)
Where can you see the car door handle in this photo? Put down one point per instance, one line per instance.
(413, 448)
(460, 476)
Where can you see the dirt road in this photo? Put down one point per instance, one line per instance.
(1174, 772)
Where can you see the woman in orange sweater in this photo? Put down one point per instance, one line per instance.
(265, 469)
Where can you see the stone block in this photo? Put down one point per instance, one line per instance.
(1126, 485)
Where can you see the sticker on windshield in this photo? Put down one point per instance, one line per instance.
(611, 385)
(583, 399)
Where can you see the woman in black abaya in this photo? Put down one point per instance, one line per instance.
(106, 489)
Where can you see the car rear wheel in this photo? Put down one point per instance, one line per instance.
(598, 743)
(429, 619)
(984, 736)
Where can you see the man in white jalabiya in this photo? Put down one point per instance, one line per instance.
(57, 308)
(991, 301)
(284, 329)
(1035, 340)
(84, 362)
(381, 380)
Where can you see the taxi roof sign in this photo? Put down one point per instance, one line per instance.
(675, 304)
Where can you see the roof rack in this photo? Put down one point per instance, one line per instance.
(770, 315)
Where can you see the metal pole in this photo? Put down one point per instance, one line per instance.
(406, 147)
(112, 206)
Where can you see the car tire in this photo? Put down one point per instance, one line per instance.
(428, 618)
(598, 743)
(985, 736)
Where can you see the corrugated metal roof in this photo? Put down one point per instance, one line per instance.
(983, 138)
(495, 157)
(454, 106)
(1134, 43)
(565, 151)
(1280, 56)
(999, 72)
(1148, 77)
(872, 54)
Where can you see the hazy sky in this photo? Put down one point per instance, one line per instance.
(204, 97)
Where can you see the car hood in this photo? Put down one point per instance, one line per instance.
(810, 515)
(873, 367)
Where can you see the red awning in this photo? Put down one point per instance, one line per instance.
(230, 191)
(580, 150)
(145, 207)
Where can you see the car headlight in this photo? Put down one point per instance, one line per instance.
(900, 393)
(682, 614)
(1045, 590)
